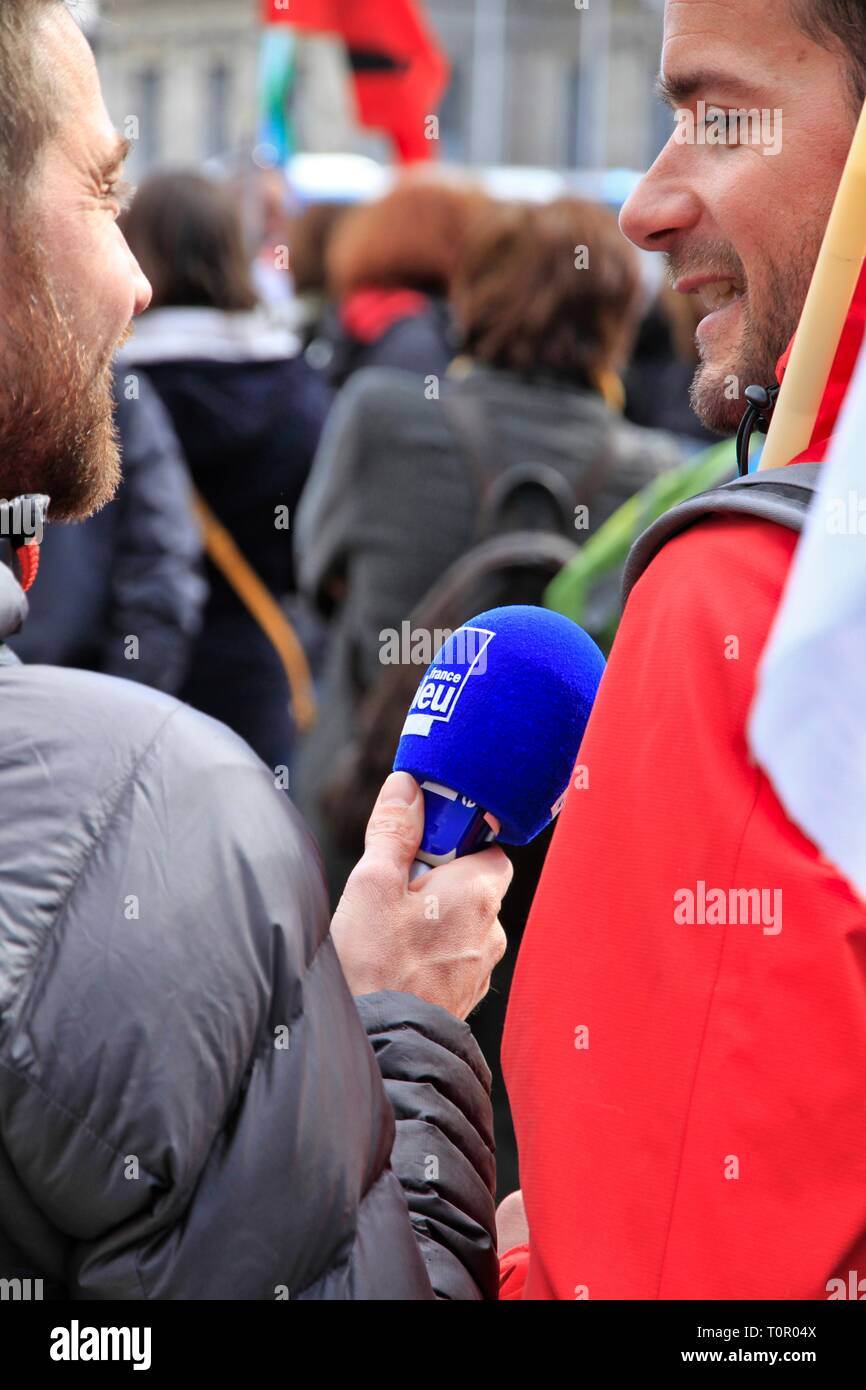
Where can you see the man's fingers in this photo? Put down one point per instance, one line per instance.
(498, 942)
(396, 825)
(493, 950)
(490, 871)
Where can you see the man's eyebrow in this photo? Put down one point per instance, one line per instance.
(676, 91)
(116, 156)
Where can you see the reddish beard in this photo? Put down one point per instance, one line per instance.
(57, 430)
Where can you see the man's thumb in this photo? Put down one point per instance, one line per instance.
(395, 828)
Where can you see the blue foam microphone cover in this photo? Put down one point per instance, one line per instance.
(500, 713)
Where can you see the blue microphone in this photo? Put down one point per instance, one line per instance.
(494, 730)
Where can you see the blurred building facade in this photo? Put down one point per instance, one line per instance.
(557, 83)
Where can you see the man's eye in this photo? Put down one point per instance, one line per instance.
(119, 192)
(722, 125)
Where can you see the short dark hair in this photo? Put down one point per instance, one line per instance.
(28, 104)
(839, 25)
(185, 232)
(548, 289)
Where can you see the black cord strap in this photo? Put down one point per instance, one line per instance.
(759, 413)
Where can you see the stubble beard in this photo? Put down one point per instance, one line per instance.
(717, 393)
(57, 430)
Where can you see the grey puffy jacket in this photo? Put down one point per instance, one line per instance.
(189, 1106)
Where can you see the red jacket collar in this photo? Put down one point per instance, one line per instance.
(369, 312)
(841, 372)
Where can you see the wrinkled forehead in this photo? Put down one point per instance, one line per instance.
(67, 61)
(749, 42)
(746, 23)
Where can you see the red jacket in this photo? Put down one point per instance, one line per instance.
(690, 1099)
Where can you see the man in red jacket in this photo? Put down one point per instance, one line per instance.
(689, 1087)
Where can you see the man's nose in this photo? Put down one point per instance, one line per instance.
(143, 287)
(661, 208)
(143, 291)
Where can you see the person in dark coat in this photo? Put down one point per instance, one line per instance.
(204, 1092)
(123, 591)
(248, 411)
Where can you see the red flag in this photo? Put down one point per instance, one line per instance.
(399, 70)
(306, 14)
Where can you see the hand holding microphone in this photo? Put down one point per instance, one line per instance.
(492, 736)
(438, 939)
(495, 727)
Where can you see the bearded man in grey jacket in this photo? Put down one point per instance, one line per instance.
(190, 1104)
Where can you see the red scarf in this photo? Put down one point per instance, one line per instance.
(369, 312)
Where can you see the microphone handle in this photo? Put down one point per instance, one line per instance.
(454, 826)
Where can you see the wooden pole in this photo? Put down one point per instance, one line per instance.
(824, 313)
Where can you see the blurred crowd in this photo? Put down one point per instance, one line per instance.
(339, 420)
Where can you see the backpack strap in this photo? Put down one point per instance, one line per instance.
(543, 551)
(782, 495)
(475, 435)
(236, 570)
(496, 482)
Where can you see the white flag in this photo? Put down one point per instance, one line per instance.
(807, 727)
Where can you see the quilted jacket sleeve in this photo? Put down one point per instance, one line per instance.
(439, 1085)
